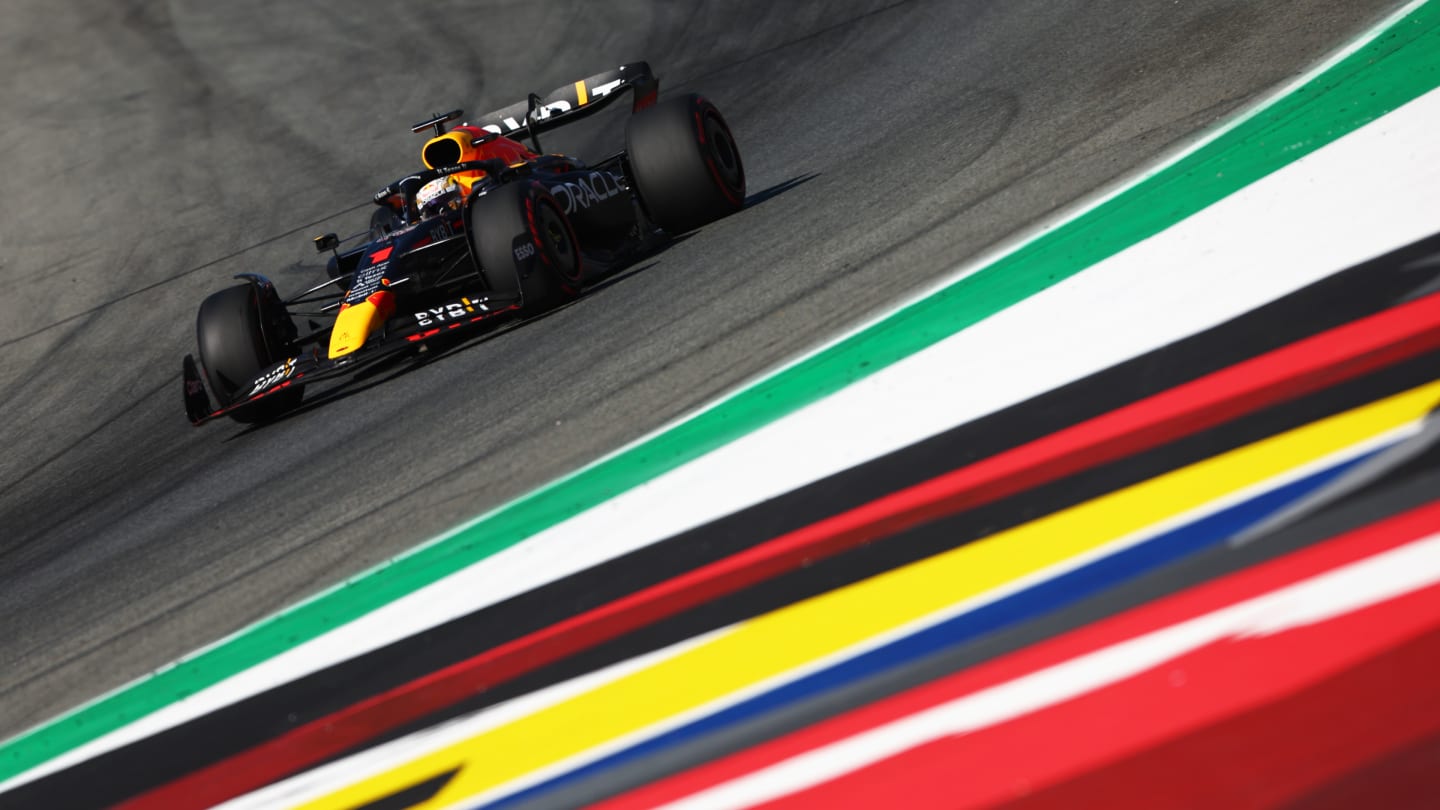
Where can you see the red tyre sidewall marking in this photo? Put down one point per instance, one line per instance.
(569, 283)
(710, 164)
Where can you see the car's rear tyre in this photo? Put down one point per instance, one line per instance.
(525, 244)
(241, 331)
(685, 164)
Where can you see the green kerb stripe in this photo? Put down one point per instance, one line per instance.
(1399, 65)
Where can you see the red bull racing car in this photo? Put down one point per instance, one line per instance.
(490, 229)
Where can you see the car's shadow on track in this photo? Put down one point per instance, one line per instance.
(765, 195)
(439, 348)
(751, 201)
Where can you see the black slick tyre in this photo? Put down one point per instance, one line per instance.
(525, 245)
(685, 163)
(240, 332)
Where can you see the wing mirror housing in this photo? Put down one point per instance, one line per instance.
(327, 241)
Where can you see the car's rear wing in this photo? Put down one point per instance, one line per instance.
(568, 104)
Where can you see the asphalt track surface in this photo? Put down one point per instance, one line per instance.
(152, 150)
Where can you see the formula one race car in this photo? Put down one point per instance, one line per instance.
(489, 229)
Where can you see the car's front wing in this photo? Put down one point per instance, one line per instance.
(314, 366)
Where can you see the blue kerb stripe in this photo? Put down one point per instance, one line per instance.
(1044, 597)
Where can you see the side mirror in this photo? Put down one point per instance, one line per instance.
(324, 242)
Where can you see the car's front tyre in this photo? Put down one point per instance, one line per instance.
(525, 245)
(241, 331)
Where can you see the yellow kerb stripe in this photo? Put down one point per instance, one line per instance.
(780, 641)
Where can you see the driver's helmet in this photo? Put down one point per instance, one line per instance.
(438, 195)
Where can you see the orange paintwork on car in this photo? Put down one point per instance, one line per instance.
(458, 146)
